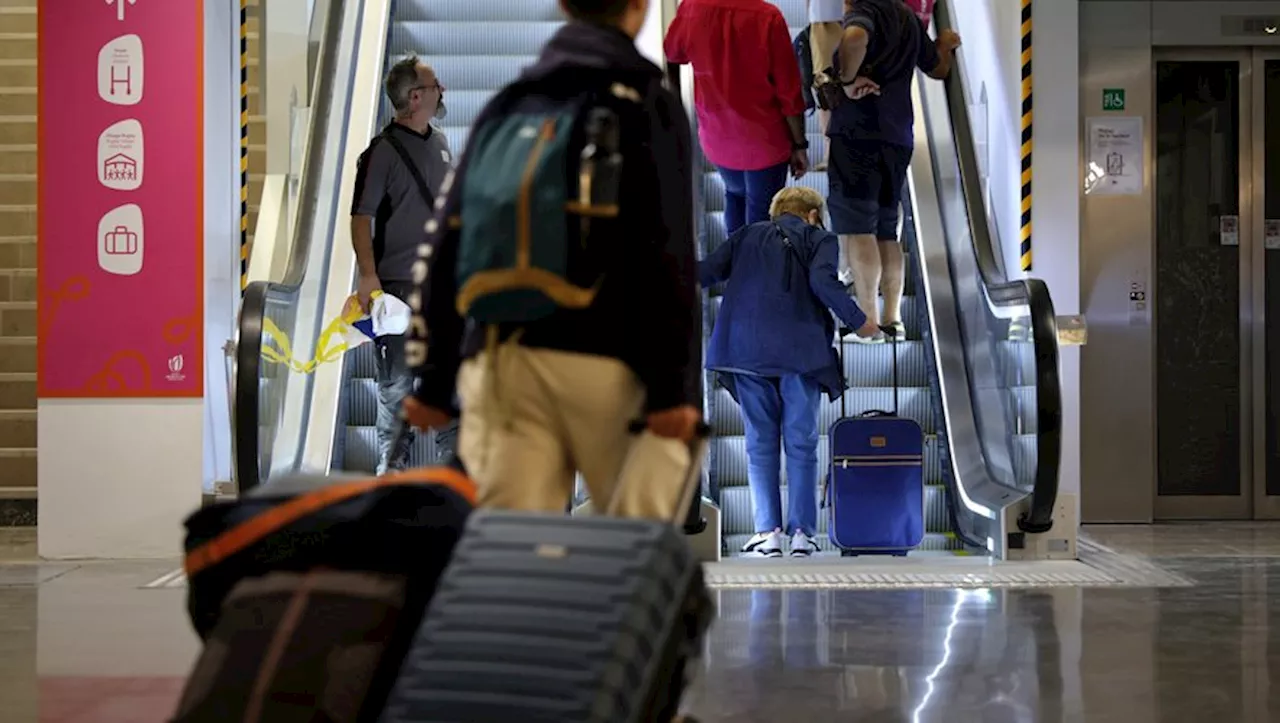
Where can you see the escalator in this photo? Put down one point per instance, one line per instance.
(475, 47)
(867, 368)
(978, 367)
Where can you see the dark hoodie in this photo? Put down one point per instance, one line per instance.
(646, 313)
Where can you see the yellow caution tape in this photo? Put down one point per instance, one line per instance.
(330, 347)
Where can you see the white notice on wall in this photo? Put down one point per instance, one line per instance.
(1229, 230)
(1116, 162)
(1271, 235)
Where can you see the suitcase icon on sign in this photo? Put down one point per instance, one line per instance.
(120, 241)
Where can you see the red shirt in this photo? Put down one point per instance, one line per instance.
(923, 10)
(746, 79)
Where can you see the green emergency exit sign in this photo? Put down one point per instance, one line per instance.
(1113, 99)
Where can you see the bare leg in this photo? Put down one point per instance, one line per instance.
(891, 282)
(863, 254)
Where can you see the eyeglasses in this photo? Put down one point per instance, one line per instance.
(436, 86)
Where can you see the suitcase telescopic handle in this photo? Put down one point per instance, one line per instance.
(892, 334)
(693, 475)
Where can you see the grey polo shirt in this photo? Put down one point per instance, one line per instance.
(385, 190)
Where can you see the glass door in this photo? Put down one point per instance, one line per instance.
(1217, 284)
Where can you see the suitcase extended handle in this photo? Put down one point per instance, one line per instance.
(689, 503)
(892, 334)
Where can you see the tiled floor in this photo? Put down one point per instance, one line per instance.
(83, 643)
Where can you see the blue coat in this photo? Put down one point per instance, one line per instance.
(774, 318)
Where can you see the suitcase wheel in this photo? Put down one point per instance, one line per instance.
(848, 553)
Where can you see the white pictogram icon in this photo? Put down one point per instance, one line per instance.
(120, 71)
(121, 242)
(120, 7)
(121, 156)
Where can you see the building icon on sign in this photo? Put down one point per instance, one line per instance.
(120, 167)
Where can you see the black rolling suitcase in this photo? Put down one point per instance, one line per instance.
(307, 593)
(551, 619)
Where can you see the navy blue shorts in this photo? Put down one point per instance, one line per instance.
(866, 179)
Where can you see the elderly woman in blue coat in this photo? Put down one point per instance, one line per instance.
(773, 349)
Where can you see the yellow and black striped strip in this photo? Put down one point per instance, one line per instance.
(244, 144)
(1027, 105)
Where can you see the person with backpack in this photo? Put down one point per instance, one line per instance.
(397, 179)
(557, 290)
(772, 349)
(872, 138)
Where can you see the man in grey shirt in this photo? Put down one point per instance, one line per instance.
(398, 178)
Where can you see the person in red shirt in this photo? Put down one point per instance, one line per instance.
(747, 94)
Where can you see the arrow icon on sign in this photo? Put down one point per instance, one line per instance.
(120, 7)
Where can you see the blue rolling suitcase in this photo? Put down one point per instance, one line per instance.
(875, 486)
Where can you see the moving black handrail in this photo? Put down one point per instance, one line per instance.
(1029, 292)
(253, 305)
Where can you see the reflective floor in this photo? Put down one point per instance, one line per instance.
(83, 643)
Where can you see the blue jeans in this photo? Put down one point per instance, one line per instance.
(395, 383)
(781, 409)
(747, 194)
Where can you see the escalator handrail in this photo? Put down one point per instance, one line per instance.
(1002, 291)
(253, 305)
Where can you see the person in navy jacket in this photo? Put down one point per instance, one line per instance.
(773, 349)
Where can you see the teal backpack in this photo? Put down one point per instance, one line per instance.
(520, 193)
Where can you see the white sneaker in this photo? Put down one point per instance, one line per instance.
(764, 544)
(899, 330)
(877, 338)
(802, 545)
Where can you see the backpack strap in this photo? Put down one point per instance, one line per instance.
(792, 253)
(389, 135)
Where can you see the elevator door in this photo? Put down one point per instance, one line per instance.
(1217, 284)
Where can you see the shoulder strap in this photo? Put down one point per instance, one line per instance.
(253, 530)
(423, 188)
(789, 242)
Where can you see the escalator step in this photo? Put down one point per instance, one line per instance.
(495, 38)
(478, 10)
(735, 507)
(909, 317)
(933, 542)
(916, 403)
(729, 460)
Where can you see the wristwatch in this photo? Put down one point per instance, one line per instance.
(801, 146)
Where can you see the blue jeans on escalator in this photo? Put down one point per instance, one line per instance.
(781, 413)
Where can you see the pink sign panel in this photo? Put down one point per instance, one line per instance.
(121, 278)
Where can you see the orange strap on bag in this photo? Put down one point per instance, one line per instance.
(251, 531)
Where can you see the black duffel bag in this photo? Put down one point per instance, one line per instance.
(308, 591)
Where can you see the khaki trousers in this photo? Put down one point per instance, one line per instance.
(531, 418)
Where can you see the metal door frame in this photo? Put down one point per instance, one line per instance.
(1253, 501)
(1215, 507)
(1265, 507)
